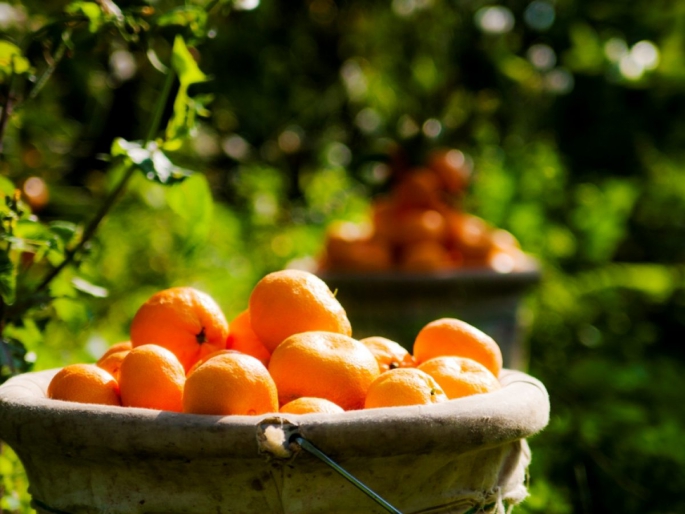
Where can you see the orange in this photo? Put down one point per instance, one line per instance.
(471, 235)
(84, 383)
(419, 225)
(242, 338)
(449, 336)
(288, 302)
(459, 376)
(349, 246)
(228, 384)
(306, 405)
(418, 188)
(183, 320)
(388, 354)
(503, 240)
(403, 386)
(426, 256)
(207, 357)
(117, 347)
(374, 255)
(452, 168)
(383, 214)
(111, 362)
(152, 377)
(324, 365)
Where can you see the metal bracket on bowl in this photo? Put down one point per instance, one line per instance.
(306, 445)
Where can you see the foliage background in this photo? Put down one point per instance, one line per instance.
(576, 132)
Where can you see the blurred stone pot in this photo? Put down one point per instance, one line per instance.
(460, 456)
(397, 305)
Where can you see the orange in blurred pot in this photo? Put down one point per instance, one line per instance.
(452, 168)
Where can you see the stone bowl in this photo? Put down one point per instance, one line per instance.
(462, 456)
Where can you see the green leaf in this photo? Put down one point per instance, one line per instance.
(193, 203)
(151, 161)
(7, 187)
(186, 108)
(193, 17)
(184, 64)
(64, 230)
(11, 60)
(8, 279)
(89, 288)
(90, 10)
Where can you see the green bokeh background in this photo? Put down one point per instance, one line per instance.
(577, 147)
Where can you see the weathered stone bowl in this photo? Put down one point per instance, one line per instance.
(462, 456)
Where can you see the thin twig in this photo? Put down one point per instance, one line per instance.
(6, 109)
(90, 229)
(114, 195)
(59, 54)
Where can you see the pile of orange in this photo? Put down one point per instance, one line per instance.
(420, 227)
(291, 351)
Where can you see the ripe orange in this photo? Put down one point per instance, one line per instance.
(360, 255)
(117, 347)
(417, 225)
(242, 338)
(306, 405)
(418, 188)
(288, 302)
(449, 336)
(452, 168)
(426, 256)
(183, 320)
(459, 376)
(207, 357)
(388, 354)
(230, 383)
(152, 377)
(471, 235)
(403, 386)
(111, 362)
(324, 365)
(84, 383)
(383, 215)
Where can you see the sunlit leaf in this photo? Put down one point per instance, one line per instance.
(86, 287)
(185, 108)
(193, 17)
(11, 60)
(184, 64)
(151, 161)
(64, 230)
(90, 10)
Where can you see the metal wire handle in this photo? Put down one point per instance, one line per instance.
(298, 439)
